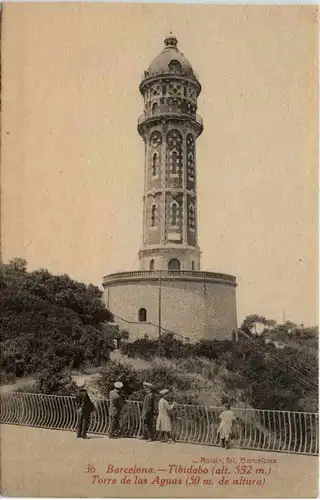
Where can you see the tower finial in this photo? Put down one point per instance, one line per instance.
(171, 42)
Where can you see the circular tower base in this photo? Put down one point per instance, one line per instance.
(193, 305)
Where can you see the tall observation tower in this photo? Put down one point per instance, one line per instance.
(170, 292)
(169, 127)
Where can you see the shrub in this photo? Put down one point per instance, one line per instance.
(52, 381)
(50, 320)
(113, 372)
(162, 373)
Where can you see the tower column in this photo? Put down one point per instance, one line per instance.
(163, 184)
(185, 184)
(170, 90)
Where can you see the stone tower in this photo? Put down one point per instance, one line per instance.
(169, 293)
(170, 127)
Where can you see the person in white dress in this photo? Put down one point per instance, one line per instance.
(163, 420)
(225, 428)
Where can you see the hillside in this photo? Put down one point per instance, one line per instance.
(54, 327)
(49, 325)
(194, 380)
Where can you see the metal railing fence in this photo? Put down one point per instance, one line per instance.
(269, 430)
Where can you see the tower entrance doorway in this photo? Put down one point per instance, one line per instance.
(174, 265)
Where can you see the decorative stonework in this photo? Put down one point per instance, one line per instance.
(170, 123)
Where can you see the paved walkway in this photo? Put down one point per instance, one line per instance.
(41, 463)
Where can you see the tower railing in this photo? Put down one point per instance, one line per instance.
(189, 75)
(267, 430)
(170, 114)
(170, 274)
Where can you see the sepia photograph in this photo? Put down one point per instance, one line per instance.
(159, 250)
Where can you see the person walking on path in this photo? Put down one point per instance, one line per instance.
(84, 408)
(225, 428)
(163, 420)
(116, 403)
(148, 412)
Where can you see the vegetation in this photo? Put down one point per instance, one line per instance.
(268, 377)
(53, 324)
(188, 387)
(49, 324)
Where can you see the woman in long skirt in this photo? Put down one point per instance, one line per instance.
(163, 420)
(225, 428)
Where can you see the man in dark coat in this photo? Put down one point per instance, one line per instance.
(85, 408)
(148, 412)
(116, 403)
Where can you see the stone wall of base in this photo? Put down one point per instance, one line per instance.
(194, 309)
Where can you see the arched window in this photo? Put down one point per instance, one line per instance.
(174, 152)
(154, 164)
(192, 265)
(190, 157)
(192, 219)
(142, 315)
(174, 264)
(190, 166)
(151, 265)
(155, 108)
(175, 214)
(153, 215)
(174, 162)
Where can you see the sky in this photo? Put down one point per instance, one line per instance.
(72, 160)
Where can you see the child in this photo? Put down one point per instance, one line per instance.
(163, 420)
(226, 419)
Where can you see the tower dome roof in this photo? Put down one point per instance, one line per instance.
(170, 60)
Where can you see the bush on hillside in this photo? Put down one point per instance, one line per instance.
(184, 389)
(266, 377)
(49, 320)
(117, 372)
(53, 382)
(168, 347)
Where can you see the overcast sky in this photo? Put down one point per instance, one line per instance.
(72, 160)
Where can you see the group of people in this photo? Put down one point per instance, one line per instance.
(151, 406)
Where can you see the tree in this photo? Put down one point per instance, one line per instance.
(270, 323)
(255, 323)
(50, 321)
(17, 264)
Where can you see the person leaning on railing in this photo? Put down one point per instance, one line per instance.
(225, 428)
(163, 420)
(148, 411)
(116, 403)
(84, 409)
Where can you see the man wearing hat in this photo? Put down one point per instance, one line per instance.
(116, 403)
(148, 412)
(85, 408)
